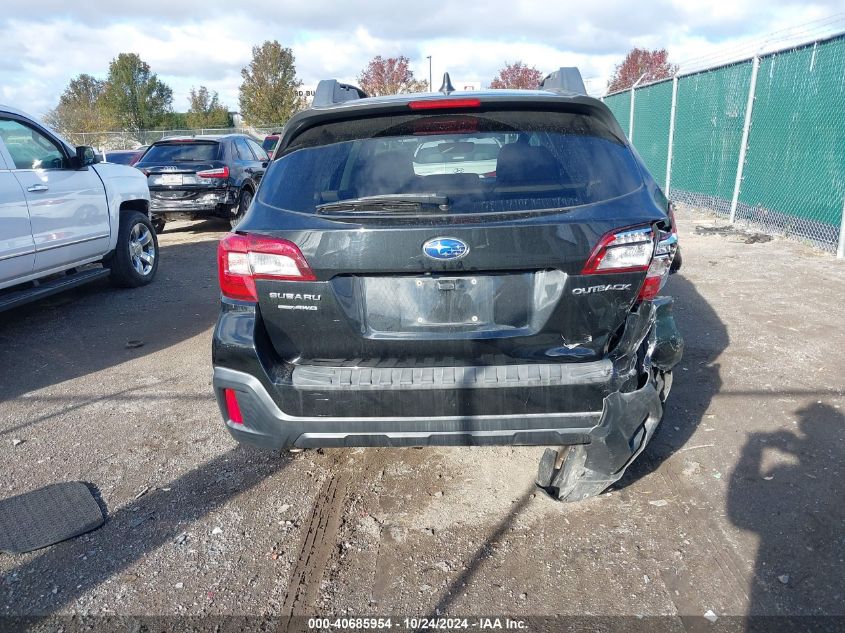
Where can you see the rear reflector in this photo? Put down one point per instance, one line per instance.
(441, 104)
(241, 259)
(628, 250)
(233, 409)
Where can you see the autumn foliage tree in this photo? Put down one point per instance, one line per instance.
(639, 62)
(206, 110)
(269, 94)
(389, 76)
(134, 97)
(79, 108)
(517, 76)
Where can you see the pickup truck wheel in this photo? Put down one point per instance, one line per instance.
(135, 258)
(240, 210)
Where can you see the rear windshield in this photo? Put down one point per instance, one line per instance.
(187, 151)
(123, 158)
(269, 143)
(482, 162)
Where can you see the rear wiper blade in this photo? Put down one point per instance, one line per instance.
(388, 203)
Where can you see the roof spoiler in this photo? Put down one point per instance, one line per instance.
(565, 79)
(331, 92)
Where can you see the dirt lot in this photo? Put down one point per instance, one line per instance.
(737, 506)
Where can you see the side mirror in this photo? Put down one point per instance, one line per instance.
(85, 156)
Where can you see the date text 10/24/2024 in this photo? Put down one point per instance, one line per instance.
(416, 624)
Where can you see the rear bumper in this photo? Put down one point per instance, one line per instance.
(204, 202)
(596, 403)
(613, 430)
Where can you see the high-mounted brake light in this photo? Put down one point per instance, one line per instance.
(241, 259)
(629, 250)
(442, 104)
(220, 172)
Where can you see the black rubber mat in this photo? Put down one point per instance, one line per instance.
(48, 515)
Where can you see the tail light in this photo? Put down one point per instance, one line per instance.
(233, 409)
(624, 251)
(634, 250)
(241, 259)
(657, 273)
(220, 172)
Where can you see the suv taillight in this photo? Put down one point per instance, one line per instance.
(241, 259)
(625, 251)
(634, 250)
(219, 172)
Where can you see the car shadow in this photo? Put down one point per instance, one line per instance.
(787, 490)
(88, 329)
(197, 227)
(696, 378)
(134, 530)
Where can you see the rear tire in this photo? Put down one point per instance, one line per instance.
(242, 207)
(134, 261)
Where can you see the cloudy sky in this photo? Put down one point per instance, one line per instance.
(191, 43)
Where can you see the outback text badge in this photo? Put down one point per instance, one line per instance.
(445, 248)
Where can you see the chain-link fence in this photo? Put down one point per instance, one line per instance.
(128, 140)
(760, 141)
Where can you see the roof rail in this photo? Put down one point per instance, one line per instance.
(331, 91)
(565, 79)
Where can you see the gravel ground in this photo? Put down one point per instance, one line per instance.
(737, 506)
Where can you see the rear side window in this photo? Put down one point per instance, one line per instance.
(483, 162)
(186, 151)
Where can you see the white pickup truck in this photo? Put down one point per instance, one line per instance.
(61, 215)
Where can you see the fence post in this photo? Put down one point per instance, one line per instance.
(840, 250)
(631, 115)
(755, 66)
(671, 134)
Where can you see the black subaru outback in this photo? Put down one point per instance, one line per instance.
(452, 269)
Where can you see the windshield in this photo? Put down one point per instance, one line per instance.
(484, 162)
(187, 151)
(269, 143)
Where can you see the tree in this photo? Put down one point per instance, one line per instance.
(639, 62)
(389, 76)
(269, 93)
(134, 97)
(80, 108)
(206, 110)
(519, 76)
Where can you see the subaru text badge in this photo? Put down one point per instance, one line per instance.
(445, 248)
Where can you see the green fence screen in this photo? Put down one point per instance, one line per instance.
(652, 110)
(793, 176)
(795, 163)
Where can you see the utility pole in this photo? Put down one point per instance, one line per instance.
(430, 87)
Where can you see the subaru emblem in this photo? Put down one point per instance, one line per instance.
(445, 248)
